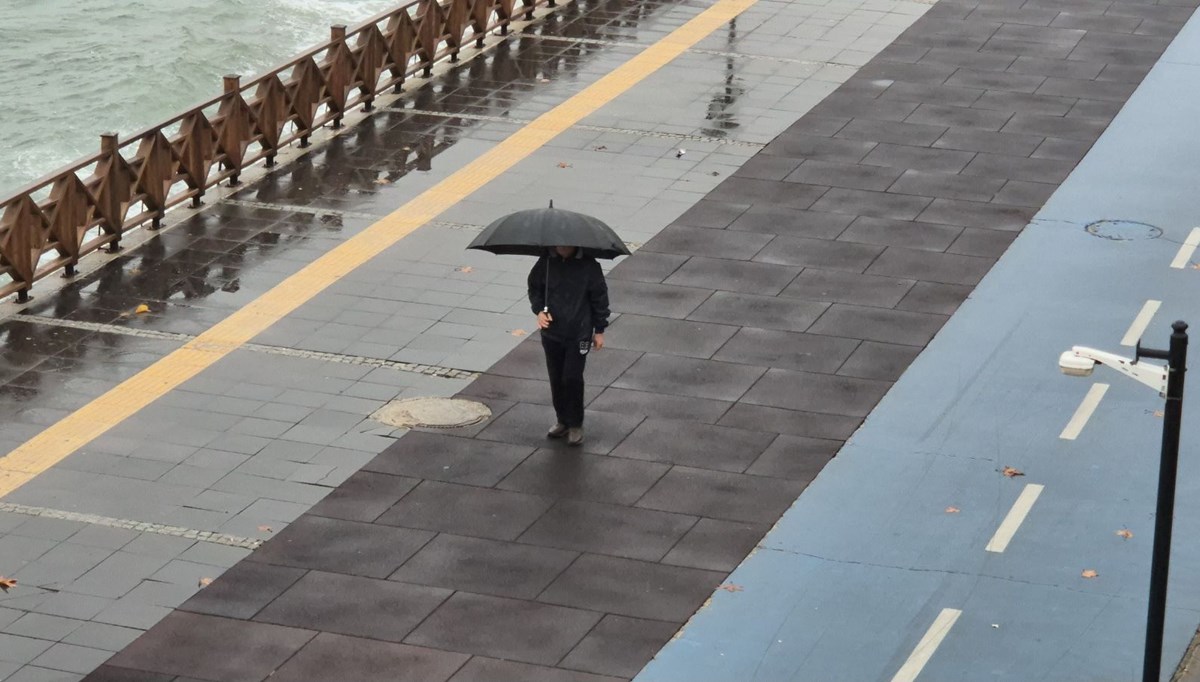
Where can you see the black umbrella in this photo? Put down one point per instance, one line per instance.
(531, 232)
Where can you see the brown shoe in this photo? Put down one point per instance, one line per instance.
(557, 431)
(575, 436)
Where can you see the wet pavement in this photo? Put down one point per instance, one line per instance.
(782, 284)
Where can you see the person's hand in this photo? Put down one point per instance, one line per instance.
(598, 340)
(544, 320)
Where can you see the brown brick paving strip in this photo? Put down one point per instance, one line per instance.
(756, 333)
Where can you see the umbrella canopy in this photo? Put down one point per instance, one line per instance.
(531, 232)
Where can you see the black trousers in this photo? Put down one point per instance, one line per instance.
(565, 365)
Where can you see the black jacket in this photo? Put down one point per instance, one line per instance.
(578, 296)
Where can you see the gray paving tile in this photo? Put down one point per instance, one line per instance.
(8, 668)
(883, 361)
(528, 361)
(330, 657)
(62, 565)
(494, 626)
(932, 92)
(1052, 126)
(481, 669)
(796, 223)
(41, 626)
(766, 192)
(1029, 194)
(619, 646)
(101, 636)
(821, 393)
(713, 213)
(608, 529)
(873, 204)
(689, 377)
(975, 214)
(72, 658)
(844, 175)
(918, 158)
(118, 574)
(795, 457)
(243, 590)
(465, 510)
(648, 404)
(1006, 142)
(485, 566)
(934, 267)
(1019, 168)
(571, 475)
(8, 615)
(183, 643)
(768, 167)
(947, 186)
(526, 425)
(160, 546)
(71, 605)
(910, 234)
(132, 613)
(818, 148)
(722, 495)
(342, 547)
(806, 352)
(710, 447)
(645, 266)
(893, 132)
(350, 605)
(714, 545)
(982, 243)
(766, 312)
(365, 495)
(632, 588)
(31, 673)
(661, 300)
(15, 649)
(750, 278)
(713, 243)
(48, 528)
(830, 255)
(928, 297)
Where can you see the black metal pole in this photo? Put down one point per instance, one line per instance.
(1165, 512)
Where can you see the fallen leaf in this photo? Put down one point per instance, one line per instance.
(1125, 533)
(7, 584)
(1011, 472)
(600, 148)
(952, 510)
(563, 164)
(265, 529)
(1196, 266)
(141, 309)
(1089, 574)
(1159, 413)
(730, 587)
(519, 332)
(466, 268)
(205, 582)
(383, 181)
(543, 80)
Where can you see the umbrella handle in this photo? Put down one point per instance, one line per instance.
(546, 300)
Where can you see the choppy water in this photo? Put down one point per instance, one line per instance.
(72, 69)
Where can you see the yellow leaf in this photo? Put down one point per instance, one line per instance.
(1159, 413)
(563, 164)
(730, 587)
(519, 332)
(205, 582)
(382, 181)
(952, 510)
(1011, 472)
(265, 529)
(1089, 574)
(142, 309)
(466, 268)
(7, 584)
(1125, 533)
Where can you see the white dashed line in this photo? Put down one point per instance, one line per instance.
(928, 644)
(1086, 408)
(1185, 252)
(1140, 323)
(1016, 516)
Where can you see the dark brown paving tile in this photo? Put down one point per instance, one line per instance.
(575, 475)
(946, 186)
(1125, 73)
(348, 547)
(715, 545)
(873, 204)
(364, 496)
(1019, 102)
(632, 588)
(1096, 109)
(437, 457)
(1012, 15)
(847, 287)
(792, 422)
(721, 495)
(466, 510)
(983, 243)
(967, 59)
(673, 337)
(918, 158)
(1065, 150)
(720, 448)
(349, 605)
(822, 393)
(862, 107)
(764, 312)
(992, 80)
(1018, 168)
(795, 457)
(941, 299)
(976, 214)
(891, 131)
(844, 175)
(649, 404)
(1018, 48)
(1088, 89)
(608, 529)
(959, 117)
(243, 590)
(728, 275)
(660, 300)
(1028, 194)
(768, 167)
(619, 646)
(526, 425)
(513, 389)
(932, 74)
(789, 350)
(713, 243)
(822, 253)
(712, 213)
(1053, 126)
(1096, 22)
(907, 233)
(645, 266)
(934, 94)
(480, 669)
(502, 569)
(1044, 33)
(336, 657)
(109, 673)
(184, 644)
(818, 148)
(512, 629)
(792, 223)
(528, 361)
(825, 126)
(767, 192)
(883, 361)
(931, 267)
(689, 377)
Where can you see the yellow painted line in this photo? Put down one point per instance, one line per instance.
(89, 422)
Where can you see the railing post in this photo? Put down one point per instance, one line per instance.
(337, 35)
(108, 148)
(233, 83)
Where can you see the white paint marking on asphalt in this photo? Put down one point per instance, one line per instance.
(1086, 408)
(1185, 252)
(928, 644)
(1016, 516)
(1140, 323)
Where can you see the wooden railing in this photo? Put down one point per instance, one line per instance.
(88, 205)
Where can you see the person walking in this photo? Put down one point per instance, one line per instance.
(569, 295)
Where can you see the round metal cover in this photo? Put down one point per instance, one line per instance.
(1123, 230)
(438, 413)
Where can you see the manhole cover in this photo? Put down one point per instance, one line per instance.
(438, 413)
(1123, 230)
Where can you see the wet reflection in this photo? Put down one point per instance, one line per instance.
(720, 109)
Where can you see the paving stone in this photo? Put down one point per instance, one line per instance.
(494, 626)
(817, 392)
(689, 377)
(795, 457)
(342, 546)
(844, 175)
(883, 361)
(632, 588)
(48, 528)
(608, 529)
(41, 626)
(713, 243)
(928, 297)
(119, 573)
(243, 590)
(645, 266)
(975, 214)
(986, 141)
(728, 275)
(464, 510)
(1030, 194)
(935, 267)
(933, 92)
(713, 213)
(620, 646)
(766, 192)
(818, 148)
(918, 158)
(329, 657)
(839, 104)
(711, 447)
(982, 243)
(846, 287)
(716, 545)
(807, 352)
(794, 223)
(528, 361)
(765, 312)
(672, 337)
(766, 167)
(968, 59)
(830, 255)
(31, 673)
(8, 615)
(558, 474)
(365, 496)
(910, 234)
(183, 644)
(1018, 168)
(72, 658)
(1052, 126)
(661, 300)
(71, 605)
(480, 669)
(874, 204)
(15, 649)
(101, 636)
(485, 566)
(1018, 102)
(722, 495)
(132, 613)
(527, 425)
(61, 566)
(946, 186)
(349, 605)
